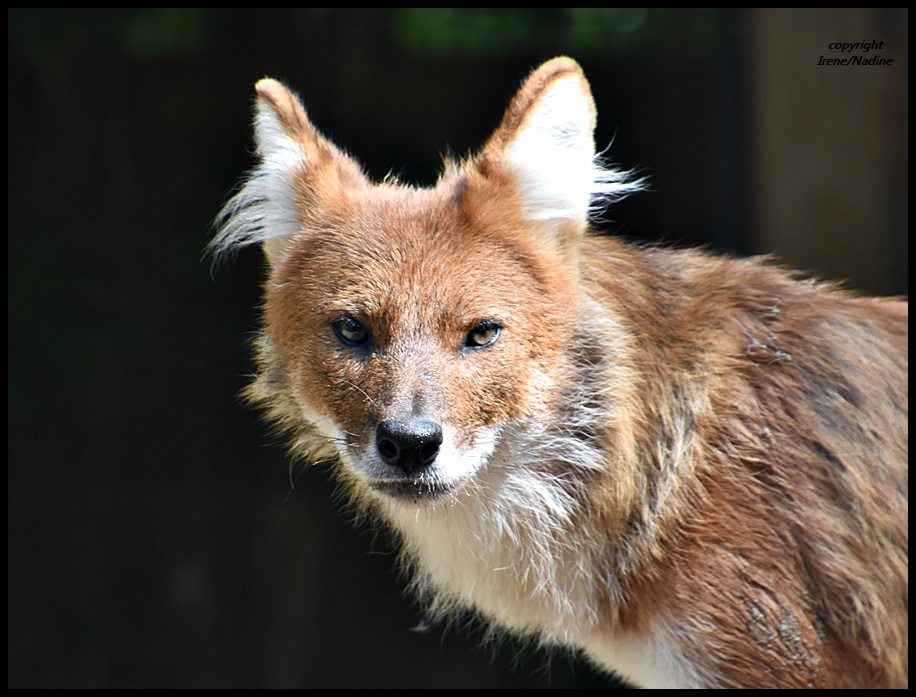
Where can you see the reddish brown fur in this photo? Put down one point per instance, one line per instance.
(806, 451)
(443, 249)
(750, 507)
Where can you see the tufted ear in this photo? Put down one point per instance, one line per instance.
(296, 165)
(546, 144)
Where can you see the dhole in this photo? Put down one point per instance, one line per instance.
(692, 468)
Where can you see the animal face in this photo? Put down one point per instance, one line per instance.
(415, 332)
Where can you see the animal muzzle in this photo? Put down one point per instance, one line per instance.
(410, 445)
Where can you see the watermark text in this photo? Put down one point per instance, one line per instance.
(865, 55)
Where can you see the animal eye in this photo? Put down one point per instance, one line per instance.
(484, 334)
(350, 331)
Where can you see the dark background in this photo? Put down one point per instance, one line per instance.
(154, 537)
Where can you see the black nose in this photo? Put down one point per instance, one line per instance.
(408, 445)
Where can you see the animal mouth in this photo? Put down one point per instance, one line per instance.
(416, 491)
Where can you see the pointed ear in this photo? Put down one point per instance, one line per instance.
(546, 145)
(298, 166)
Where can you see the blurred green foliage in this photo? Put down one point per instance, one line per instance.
(489, 31)
(159, 31)
(142, 32)
(156, 32)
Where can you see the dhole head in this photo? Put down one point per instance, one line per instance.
(411, 328)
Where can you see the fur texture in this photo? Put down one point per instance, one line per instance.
(693, 468)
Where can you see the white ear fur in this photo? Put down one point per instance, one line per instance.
(553, 159)
(264, 211)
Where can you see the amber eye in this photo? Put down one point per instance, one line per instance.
(350, 331)
(483, 335)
